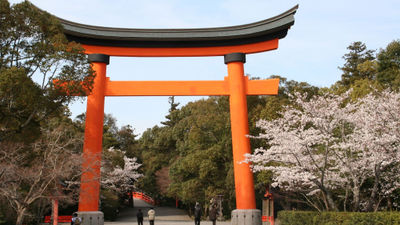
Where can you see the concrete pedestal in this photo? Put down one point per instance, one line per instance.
(92, 217)
(246, 217)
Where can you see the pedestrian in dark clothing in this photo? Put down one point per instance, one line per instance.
(139, 216)
(197, 214)
(213, 214)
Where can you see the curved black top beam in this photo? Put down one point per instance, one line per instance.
(272, 28)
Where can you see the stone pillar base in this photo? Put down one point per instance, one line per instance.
(246, 217)
(91, 217)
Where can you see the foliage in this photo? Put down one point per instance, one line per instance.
(300, 150)
(388, 72)
(110, 132)
(371, 150)
(202, 170)
(339, 218)
(296, 217)
(157, 150)
(40, 170)
(34, 52)
(109, 204)
(127, 142)
(195, 146)
(172, 116)
(322, 146)
(363, 68)
(357, 56)
(119, 178)
(120, 169)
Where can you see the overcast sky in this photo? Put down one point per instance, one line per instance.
(311, 52)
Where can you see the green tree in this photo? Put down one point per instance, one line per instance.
(110, 132)
(127, 142)
(33, 53)
(158, 150)
(35, 133)
(389, 66)
(204, 167)
(364, 72)
(172, 116)
(358, 54)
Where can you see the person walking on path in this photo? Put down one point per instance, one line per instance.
(213, 214)
(75, 219)
(152, 215)
(139, 216)
(197, 214)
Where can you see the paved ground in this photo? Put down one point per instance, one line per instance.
(164, 216)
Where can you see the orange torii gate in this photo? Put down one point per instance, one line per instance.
(231, 42)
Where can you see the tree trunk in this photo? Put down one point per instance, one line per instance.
(345, 200)
(374, 191)
(20, 216)
(356, 198)
(332, 204)
(324, 200)
(327, 196)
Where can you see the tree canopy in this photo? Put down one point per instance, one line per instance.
(40, 146)
(34, 52)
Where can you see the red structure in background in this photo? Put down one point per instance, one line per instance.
(61, 219)
(144, 197)
(231, 42)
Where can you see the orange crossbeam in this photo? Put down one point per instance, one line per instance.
(187, 88)
(183, 88)
(182, 52)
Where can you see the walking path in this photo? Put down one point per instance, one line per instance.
(164, 216)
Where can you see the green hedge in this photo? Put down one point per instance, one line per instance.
(338, 218)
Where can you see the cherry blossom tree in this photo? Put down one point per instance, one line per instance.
(301, 152)
(120, 179)
(331, 143)
(372, 149)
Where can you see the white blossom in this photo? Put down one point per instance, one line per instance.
(121, 179)
(329, 143)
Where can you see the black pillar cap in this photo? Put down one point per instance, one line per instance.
(99, 58)
(235, 57)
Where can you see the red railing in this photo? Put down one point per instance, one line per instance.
(144, 197)
(269, 219)
(61, 219)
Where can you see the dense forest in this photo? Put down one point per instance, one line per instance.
(189, 157)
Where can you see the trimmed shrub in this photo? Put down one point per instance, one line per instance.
(338, 218)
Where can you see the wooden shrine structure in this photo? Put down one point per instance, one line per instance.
(233, 43)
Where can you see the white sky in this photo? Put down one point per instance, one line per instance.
(311, 52)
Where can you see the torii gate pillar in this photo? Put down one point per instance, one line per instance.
(92, 146)
(246, 212)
